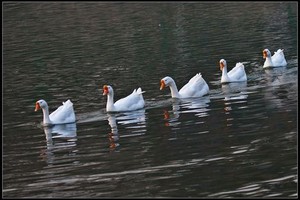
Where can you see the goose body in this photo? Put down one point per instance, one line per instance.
(277, 60)
(196, 87)
(134, 101)
(62, 115)
(237, 74)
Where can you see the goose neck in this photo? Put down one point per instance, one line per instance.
(110, 102)
(174, 90)
(46, 118)
(268, 62)
(225, 77)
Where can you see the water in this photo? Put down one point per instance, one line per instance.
(239, 141)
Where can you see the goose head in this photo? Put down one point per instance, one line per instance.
(222, 64)
(107, 89)
(40, 104)
(165, 82)
(266, 53)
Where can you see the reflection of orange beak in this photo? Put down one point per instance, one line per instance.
(221, 66)
(37, 106)
(166, 117)
(105, 90)
(166, 114)
(162, 84)
(264, 54)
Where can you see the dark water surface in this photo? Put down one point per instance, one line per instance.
(238, 141)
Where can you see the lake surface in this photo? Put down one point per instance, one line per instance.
(238, 141)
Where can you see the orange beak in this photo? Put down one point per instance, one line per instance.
(264, 54)
(105, 90)
(221, 66)
(37, 106)
(162, 84)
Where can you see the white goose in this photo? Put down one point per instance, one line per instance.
(277, 60)
(133, 101)
(237, 74)
(62, 115)
(196, 87)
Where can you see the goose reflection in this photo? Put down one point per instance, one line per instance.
(59, 138)
(113, 136)
(171, 117)
(61, 131)
(276, 76)
(134, 121)
(281, 85)
(198, 106)
(233, 93)
(235, 87)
